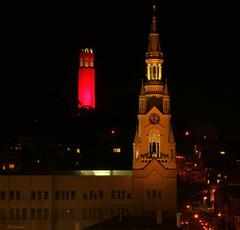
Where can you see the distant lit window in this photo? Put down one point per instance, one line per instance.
(187, 133)
(86, 62)
(219, 175)
(77, 150)
(218, 181)
(204, 137)
(11, 166)
(116, 150)
(208, 181)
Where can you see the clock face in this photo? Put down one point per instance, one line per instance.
(154, 118)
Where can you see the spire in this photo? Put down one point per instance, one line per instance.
(165, 91)
(154, 49)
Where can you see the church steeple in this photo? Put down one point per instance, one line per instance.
(154, 55)
(154, 48)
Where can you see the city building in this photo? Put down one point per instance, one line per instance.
(82, 198)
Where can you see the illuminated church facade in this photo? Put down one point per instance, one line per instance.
(80, 199)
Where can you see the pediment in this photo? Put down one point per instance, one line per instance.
(155, 167)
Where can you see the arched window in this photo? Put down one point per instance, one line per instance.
(154, 143)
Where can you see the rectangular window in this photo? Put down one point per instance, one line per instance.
(11, 195)
(2, 195)
(94, 213)
(84, 213)
(45, 194)
(45, 213)
(57, 195)
(100, 194)
(39, 213)
(100, 213)
(154, 193)
(2, 214)
(111, 213)
(63, 195)
(33, 195)
(33, 213)
(24, 213)
(113, 194)
(91, 194)
(11, 214)
(17, 213)
(119, 194)
(85, 196)
(39, 194)
(123, 194)
(89, 213)
(116, 150)
(73, 195)
(129, 196)
(67, 195)
(18, 195)
(148, 194)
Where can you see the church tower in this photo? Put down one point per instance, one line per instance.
(154, 136)
(154, 165)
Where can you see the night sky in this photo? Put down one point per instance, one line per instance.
(41, 43)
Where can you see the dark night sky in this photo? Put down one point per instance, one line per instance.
(40, 47)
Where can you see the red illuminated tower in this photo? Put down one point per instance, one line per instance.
(86, 80)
